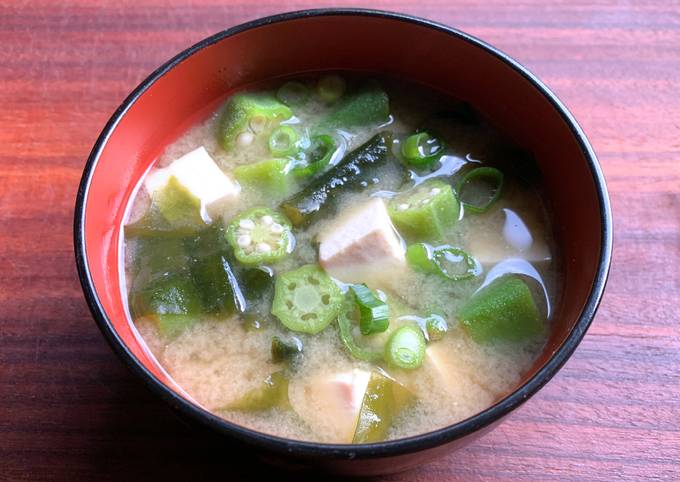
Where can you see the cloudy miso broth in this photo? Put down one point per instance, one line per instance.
(343, 259)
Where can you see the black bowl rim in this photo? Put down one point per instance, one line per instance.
(347, 451)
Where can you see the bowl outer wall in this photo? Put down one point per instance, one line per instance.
(180, 92)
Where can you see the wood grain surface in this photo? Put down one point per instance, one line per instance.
(69, 410)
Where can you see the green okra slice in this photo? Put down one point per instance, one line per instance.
(260, 235)
(502, 310)
(306, 300)
(272, 176)
(367, 106)
(250, 112)
(425, 212)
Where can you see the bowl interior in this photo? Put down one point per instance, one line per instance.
(433, 57)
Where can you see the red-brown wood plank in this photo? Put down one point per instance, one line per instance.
(69, 410)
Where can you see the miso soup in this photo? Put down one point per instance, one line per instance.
(342, 258)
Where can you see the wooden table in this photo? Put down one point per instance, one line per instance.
(70, 410)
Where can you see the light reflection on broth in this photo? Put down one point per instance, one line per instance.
(231, 314)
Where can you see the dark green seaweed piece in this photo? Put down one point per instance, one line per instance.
(172, 300)
(355, 171)
(286, 350)
(213, 274)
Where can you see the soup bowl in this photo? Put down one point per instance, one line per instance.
(191, 85)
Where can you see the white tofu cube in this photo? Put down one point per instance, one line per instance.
(330, 403)
(445, 371)
(197, 172)
(362, 246)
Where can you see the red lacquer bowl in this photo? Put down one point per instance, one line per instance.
(188, 86)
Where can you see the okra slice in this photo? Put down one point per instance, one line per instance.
(306, 300)
(330, 88)
(367, 106)
(272, 393)
(503, 310)
(260, 235)
(250, 114)
(383, 400)
(272, 176)
(283, 141)
(293, 93)
(426, 211)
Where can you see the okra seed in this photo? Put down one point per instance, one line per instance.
(435, 191)
(245, 139)
(246, 224)
(243, 241)
(267, 220)
(263, 248)
(402, 207)
(276, 228)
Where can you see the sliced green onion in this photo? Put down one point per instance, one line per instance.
(488, 180)
(373, 312)
(330, 88)
(446, 261)
(293, 93)
(318, 155)
(419, 256)
(454, 263)
(422, 149)
(283, 141)
(406, 348)
(436, 327)
(345, 328)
